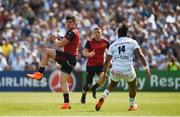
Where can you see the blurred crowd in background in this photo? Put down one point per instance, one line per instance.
(26, 24)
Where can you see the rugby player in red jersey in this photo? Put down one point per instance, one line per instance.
(66, 58)
(94, 51)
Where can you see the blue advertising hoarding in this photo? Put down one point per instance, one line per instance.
(17, 81)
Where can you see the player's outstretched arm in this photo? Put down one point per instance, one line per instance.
(143, 61)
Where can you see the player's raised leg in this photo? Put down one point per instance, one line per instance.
(46, 55)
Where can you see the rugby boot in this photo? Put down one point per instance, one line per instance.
(66, 106)
(99, 104)
(36, 75)
(133, 108)
(83, 99)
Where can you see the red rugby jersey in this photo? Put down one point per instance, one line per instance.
(99, 47)
(73, 45)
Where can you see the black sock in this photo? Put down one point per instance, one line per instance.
(95, 86)
(66, 98)
(41, 69)
(86, 87)
(83, 94)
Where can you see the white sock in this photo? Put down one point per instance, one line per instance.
(105, 93)
(131, 101)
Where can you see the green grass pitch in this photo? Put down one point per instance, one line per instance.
(116, 104)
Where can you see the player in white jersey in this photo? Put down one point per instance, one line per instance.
(121, 53)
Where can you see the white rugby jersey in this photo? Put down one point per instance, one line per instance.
(122, 51)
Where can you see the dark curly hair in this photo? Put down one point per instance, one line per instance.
(122, 31)
(71, 17)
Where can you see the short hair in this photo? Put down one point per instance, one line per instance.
(122, 31)
(97, 28)
(71, 17)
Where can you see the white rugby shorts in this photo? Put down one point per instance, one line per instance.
(117, 75)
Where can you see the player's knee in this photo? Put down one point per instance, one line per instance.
(101, 82)
(44, 52)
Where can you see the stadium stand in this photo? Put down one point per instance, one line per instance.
(26, 24)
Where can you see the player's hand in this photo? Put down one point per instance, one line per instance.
(92, 53)
(148, 73)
